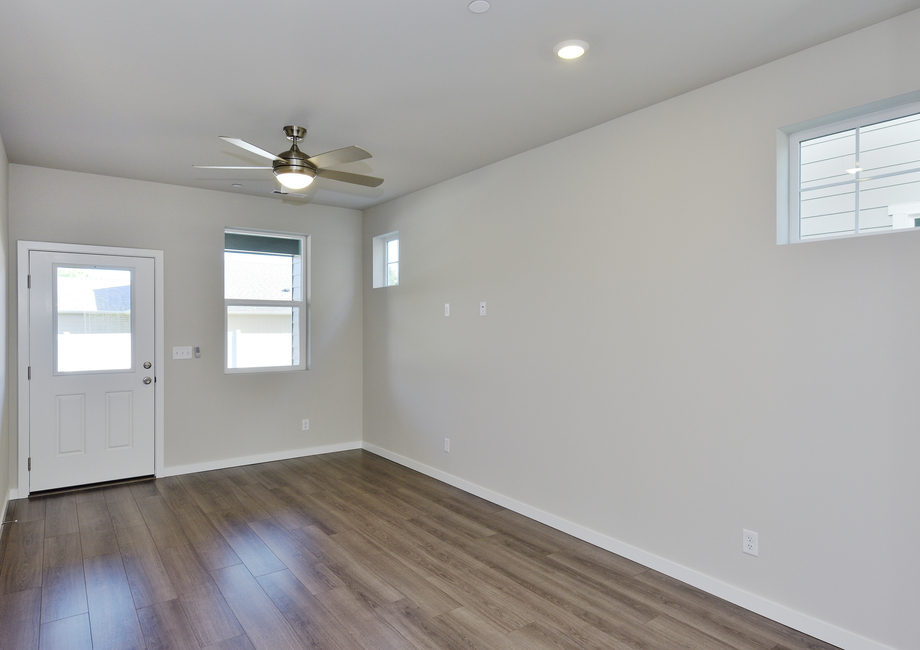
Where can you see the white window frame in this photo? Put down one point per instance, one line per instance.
(380, 260)
(303, 335)
(788, 168)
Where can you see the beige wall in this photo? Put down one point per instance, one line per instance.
(210, 415)
(6, 461)
(653, 367)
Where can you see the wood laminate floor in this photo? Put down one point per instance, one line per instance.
(345, 551)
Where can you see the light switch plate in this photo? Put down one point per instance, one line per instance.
(183, 352)
(482, 309)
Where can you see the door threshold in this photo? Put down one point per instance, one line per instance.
(92, 486)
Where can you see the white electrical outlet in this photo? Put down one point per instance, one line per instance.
(482, 309)
(305, 426)
(184, 352)
(447, 445)
(749, 542)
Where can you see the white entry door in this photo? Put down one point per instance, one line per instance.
(91, 355)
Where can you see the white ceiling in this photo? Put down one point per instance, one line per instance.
(432, 90)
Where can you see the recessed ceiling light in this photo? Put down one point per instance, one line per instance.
(479, 6)
(570, 49)
(237, 185)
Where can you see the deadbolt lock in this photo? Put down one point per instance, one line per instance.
(147, 365)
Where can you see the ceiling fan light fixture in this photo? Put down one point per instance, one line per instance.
(295, 178)
(570, 49)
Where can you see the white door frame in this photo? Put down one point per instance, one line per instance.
(22, 249)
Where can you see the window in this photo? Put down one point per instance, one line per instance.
(266, 300)
(856, 176)
(386, 260)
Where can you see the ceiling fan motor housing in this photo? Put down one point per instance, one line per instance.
(293, 161)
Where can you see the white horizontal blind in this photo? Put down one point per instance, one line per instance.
(857, 179)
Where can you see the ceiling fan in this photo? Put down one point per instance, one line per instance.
(296, 170)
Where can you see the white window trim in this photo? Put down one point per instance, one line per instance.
(787, 167)
(303, 305)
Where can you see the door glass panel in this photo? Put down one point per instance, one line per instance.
(93, 314)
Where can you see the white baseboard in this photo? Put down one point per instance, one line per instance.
(225, 463)
(779, 613)
(6, 504)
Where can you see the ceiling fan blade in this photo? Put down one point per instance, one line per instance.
(339, 156)
(225, 167)
(250, 147)
(347, 177)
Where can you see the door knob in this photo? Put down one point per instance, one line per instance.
(147, 380)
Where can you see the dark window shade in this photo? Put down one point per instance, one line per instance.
(261, 244)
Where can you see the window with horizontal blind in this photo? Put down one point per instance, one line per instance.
(266, 302)
(856, 176)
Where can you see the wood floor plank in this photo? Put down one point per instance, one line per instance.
(300, 562)
(346, 567)
(677, 634)
(420, 629)
(313, 623)
(537, 636)
(93, 494)
(30, 509)
(723, 614)
(20, 613)
(147, 576)
(117, 493)
(236, 643)
(364, 625)
(243, 505)
(273, 475)
(206, 497)
(184, 568)
(124, 513)
(475, 631)
(174, 493)
(264, 624)
(113, 619)
(21, 566)
(61, 515)
(277, 507)
(63, 585)
(210, 616)
(378, 501)
(67, 634)
(326, 518)
(163, 527)
(166, 627)
(239, 475)
(439, 513)
(471, 583)
(143, 489)
(253, 552)
(97, 535)
(429, 598)
(210, 546)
